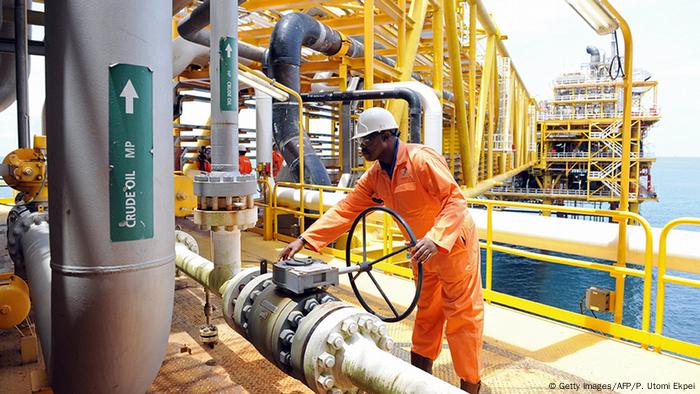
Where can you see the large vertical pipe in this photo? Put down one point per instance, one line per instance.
(223, 73)
(21, 73)
(113, 297)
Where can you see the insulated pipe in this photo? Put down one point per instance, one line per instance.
(223, 55)
(366, 367)
(22, 73)
(200, 269)
(36, 255)
(226, 251)
(432, 116)
(291, 32)
(263, 127)
(411, 97)
(110, 294)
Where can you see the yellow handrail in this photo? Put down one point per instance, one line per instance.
(619, 269)
(675, 345)
(644, 336)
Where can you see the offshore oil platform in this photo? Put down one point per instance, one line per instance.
(140, 247)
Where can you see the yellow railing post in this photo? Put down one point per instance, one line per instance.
(662, 278)
(489, 246)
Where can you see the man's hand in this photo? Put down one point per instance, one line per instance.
(291, 249)
(425, 248)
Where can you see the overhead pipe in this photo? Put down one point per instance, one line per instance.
(95, 275)
(291, 32)
(22, 73)
(192, 28)
(432, 117)
(410, 96)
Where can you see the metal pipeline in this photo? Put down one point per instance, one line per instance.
(192, 28)
(290, 33)
(28, 246)
(432, 117)
(22, 73)
(112, 287)
(327, 344)
(411, 97)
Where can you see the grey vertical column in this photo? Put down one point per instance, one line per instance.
(223, 72)
(109, 108)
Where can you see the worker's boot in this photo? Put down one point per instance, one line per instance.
(471, 388)
(421, 362)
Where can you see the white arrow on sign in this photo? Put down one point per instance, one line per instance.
(129, 94)
(228, 50)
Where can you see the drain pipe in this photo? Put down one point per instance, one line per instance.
(290, 33)
(21, 73)
(112, 257)
(411, 97)
(432, 118)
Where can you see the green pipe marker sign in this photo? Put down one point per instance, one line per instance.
(227, 52)
(130, 152)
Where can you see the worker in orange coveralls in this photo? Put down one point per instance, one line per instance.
(415, 181)
(244, 165)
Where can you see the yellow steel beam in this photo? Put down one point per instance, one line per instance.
(418, 10)
(369, 48)
(346, 24)
(489, 68)
(261, 5)
(438, 47)
(472, 73)
(493, 110)
(390, 8)
(490, 28)
(465, 146)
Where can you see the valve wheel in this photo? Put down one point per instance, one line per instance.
(366, 266)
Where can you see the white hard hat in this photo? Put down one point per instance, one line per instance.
(372, 120)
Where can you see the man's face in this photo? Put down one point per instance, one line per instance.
(371, 146)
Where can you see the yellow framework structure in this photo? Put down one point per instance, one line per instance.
(484, 103)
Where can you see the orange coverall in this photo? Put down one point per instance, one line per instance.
(423, 191)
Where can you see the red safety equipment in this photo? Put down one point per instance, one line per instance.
(423, 191)
(244, 165)
(277, 161)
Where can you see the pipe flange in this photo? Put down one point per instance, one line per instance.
(326, 343)
(19, 221)
(224, 184)
(220, 220)
(233, 290)
(187, 240)
(244, 303)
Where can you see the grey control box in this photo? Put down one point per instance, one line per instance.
(301, 274)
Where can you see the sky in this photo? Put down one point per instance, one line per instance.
(546, 38)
